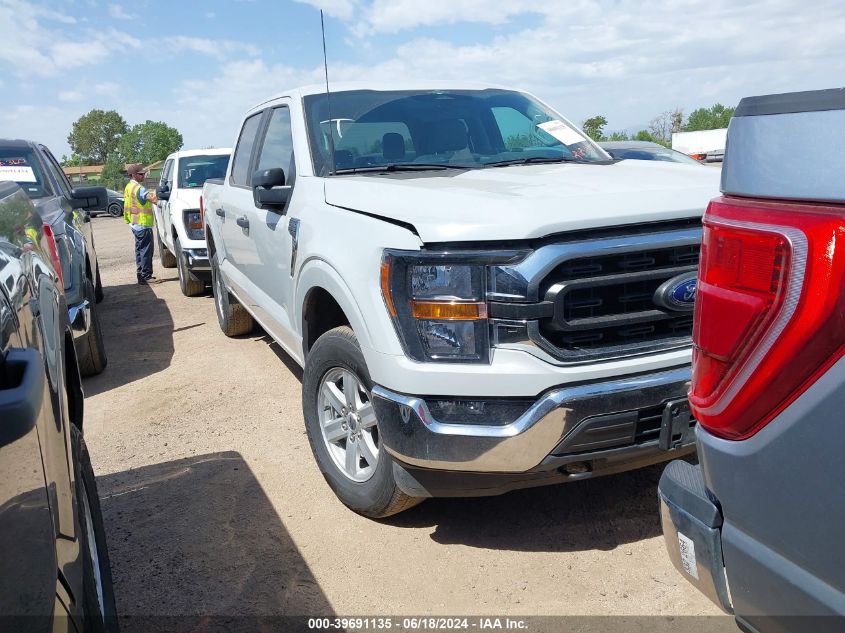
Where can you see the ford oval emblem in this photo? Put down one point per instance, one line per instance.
(677, 294)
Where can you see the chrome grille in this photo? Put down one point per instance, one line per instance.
(595, 300)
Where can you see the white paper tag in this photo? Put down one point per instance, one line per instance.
(687, 548)
(18, 173)
(561, 132)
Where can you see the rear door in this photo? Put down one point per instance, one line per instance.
(233, 209)
(270, 272)
(27, 540)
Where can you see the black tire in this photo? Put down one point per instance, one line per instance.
(167, 259)
(99, 295)
(115, 210)
(378, 496)
(188, 282)
(92, 359)
(100, 616)
(233, 318)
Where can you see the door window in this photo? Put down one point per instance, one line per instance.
(277, 149)
(58, 173)
(167, 173)
(243, 152)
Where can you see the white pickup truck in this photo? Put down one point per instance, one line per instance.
(178, 214)
(481, 298)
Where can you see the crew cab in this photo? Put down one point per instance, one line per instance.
(481, 298)
(67, 210)
(758, 525)
(181, 240)
(54, 567)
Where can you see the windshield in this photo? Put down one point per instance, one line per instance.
(463, 128)
(651, 153)
(20, 165)
(195, 170)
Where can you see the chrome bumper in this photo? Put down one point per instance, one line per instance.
(565, 423)
(196, 259)
(79, 316)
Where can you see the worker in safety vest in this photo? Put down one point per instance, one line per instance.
(138, 213)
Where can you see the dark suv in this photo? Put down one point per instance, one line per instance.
(54, 563)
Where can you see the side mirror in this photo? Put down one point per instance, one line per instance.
(269, 190)
(90, 198)
(163, 192)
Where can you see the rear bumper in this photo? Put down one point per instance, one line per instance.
(692, 525)
(571, 432)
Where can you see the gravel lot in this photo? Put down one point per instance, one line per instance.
(213, 504)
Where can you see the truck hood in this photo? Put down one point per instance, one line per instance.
(187, 198)
(528, 201)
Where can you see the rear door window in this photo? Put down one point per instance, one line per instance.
(240, 176)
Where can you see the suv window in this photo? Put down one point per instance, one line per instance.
(277, 149)
(243, 152)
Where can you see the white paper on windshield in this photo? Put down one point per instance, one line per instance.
(562, 132)
(18, 173)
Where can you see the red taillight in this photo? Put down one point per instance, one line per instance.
(53, 250)
(202, 213)
(769, 312)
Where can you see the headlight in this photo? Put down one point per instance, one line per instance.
(193, 224)
(438, 303)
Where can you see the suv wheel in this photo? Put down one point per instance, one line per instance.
(98, 593)
(233, 318)
(188, 282)
(92, 359)
(343, 429)
(167, 259)
(115, 210)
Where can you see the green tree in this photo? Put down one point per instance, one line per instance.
(148, 142)
(114, 173)
(619, 136)
(712, 118)
(95, 135)
(594, 127)
(645, 135)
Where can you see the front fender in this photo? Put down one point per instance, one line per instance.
(318, 273)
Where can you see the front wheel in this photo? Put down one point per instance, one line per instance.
(115, 210)
(233, 318)
(92, 359)
(188, 282)
(343, 429)
(167, 259)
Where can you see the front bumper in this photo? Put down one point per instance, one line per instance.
(573, 431)
(196, 260)
(692, 523)
(79, 316)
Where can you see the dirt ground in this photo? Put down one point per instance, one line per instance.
(213, 503)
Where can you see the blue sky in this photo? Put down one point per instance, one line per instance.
(199, 65)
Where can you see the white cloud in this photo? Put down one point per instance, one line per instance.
(107, 88)
(221, 49)
(119, 13)
(342, 9)
(70, 95)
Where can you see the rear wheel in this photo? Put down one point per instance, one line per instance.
(343, 429)
(92, 359)
(98, 593)
(233, 318)
(167, 259)
(188, 282)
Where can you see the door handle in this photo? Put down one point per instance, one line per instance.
(220, 212)
(242, 222)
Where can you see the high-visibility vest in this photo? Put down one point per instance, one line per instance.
(134, 212)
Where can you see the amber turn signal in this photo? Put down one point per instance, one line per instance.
(449, 310)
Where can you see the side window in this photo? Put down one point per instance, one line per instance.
(58, 173)
(167, 173)
(243, 152)
(277, 149)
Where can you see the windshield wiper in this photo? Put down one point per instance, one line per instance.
(535, 159)
(401, 167)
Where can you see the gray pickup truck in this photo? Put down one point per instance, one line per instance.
(758, 526)
(66, 209)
